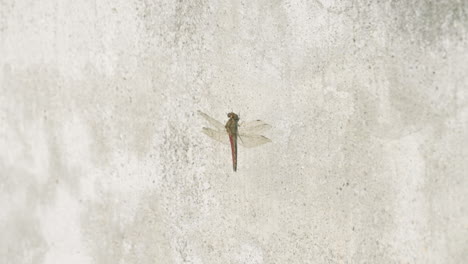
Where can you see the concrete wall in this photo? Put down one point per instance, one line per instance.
(102, 159)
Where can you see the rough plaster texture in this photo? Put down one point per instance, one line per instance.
(102, 159)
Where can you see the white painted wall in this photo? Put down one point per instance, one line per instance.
(102, 159)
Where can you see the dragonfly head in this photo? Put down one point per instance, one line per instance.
(233, 116)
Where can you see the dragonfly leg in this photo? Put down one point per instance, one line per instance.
(239, 136)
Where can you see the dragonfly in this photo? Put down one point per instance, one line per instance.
(246, 134)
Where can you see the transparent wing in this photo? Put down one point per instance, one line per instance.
(251, 141)
(253, 127)
(218, 125)
(217, 135)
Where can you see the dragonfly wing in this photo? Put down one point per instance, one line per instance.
(250, 141)
(218, 125)
(217, 135)
(253, 127)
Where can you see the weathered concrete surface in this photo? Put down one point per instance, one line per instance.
(102, 159)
